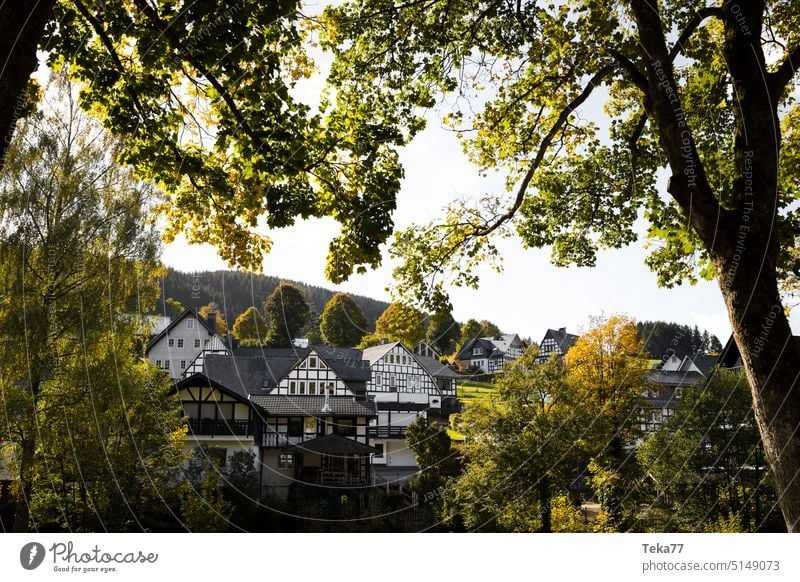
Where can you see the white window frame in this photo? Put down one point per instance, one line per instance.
(180, 342)
(190, 324)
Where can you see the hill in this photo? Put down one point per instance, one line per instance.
(236, 291)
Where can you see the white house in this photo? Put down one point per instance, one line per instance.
(487, 355)
(404, 390)
(177, 346)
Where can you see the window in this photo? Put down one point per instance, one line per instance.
(477, 351)
(286, 461)
(378, 379)
(404, 359)
(295, 427)
(292, 387)
(679, 392)
(171, 342)
(330, 388)
(166, 364)
(312, 362)
(322, 365)
(312, 387)
(302, 387)
(158, 363)
(183, 364)
(392, 381)
(379, 454)
(197, 343)
(190, 324)
(346, 427)
(180, 342)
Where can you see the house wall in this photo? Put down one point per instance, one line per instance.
(398, 372)
(191, 334)
(310, 376)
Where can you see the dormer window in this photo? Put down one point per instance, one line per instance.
(312, 362)
(477, 351)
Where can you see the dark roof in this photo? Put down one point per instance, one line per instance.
(730, 356)
(704, 363)
(332, 444)
(249, 370)
(489, 349)
(282, 405)
(175, 322)
(435, 368)
(257, 369)
(349, 364)
(203, 380)
(563, 339)
(674, 378)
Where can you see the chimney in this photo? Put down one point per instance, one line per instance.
(563, 330)
(212, 321)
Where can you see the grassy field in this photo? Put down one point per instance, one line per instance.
(470, 392)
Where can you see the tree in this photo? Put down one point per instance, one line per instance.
(342, 322)
(207, 112)
(489, 329)
(287, 314)
(443, 332)
(173, 307)
(697, 91)
(469, 331)
(707, 462)
(78, 266)
(607, 367)
(400, 322)
(250, 328)
(212, 310)
(522, 447)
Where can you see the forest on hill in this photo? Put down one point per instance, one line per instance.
(661, 336)
(236, 291)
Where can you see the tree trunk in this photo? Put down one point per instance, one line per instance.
(21, 28)
(772, 363)
(22, 512)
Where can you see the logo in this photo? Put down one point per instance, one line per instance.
(31, 555)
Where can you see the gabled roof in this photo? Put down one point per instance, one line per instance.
(730, 356)
(505, 341)
(435, 368)
(674, 377)
(332, 444)
(282, 405)
(258, 369)
(234, 391)
(175, 322)
(375, 353)
(489, 349)
(563, 339)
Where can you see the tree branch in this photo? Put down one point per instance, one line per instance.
(548, 139)
(104, 38)
(693, 25)
(788, 69)
(637, 77)
(169, 33)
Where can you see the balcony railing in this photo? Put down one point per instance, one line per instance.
(212, 427)
(386, 432)
(273, 439)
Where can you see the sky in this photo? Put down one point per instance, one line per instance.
(528, 297)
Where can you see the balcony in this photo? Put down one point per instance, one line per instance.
(386, 432)
(212, 427)
(273, 439)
